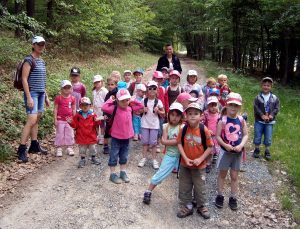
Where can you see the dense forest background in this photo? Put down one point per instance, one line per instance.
(254, 36)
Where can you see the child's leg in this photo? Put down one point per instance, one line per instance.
(123, 158)
(221, 181)
(153, 142)
(113, 161)
(93, 152)
(69, 138)
(82, 153)
(234, 182)
(258, 131)
(59, 138)
(268, 131)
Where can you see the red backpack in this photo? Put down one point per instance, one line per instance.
(18, 73)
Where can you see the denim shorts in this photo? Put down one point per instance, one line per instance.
(38, 102)
(118, 152)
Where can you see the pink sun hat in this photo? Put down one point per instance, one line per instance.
(175, 72)
(185, 96)
(123, 94)
(158, 75)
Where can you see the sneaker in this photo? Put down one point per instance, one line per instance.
(59, 152)
(208, 169)
(215, 158)
(95, 161)
(105, 150)
(81, 163)
(256, 153)
(147, 197)
(35, 147)
(203, 211)
(267, 155)
(184, 212)
(115, 179)
(155, 164)
(124, 177)
(22, 153)
(70, 151)
(233, 203)
(157, 149)
(101, 141)
(142, 162)
(219, 202)
(175, 170)
(135, 137)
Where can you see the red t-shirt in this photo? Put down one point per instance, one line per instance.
(64, 108)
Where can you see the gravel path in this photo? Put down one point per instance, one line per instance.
(61, 196)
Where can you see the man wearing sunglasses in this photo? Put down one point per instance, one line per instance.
(34, 84)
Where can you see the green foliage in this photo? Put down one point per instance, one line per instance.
(6, 151)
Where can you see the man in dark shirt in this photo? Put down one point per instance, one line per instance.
(169, 60)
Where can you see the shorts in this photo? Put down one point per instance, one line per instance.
(228, 160)
(149, 136)
(64, 134)
(38, 102)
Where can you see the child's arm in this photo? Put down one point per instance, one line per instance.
(165, 141)
(257, 110)
(55, 113)
(219, 138)
(275, 111)
(239, 147)
(83, 91)
(199, 160)
(108, 106)
(73, 121)
(159, 111)
(73, 106)
(188, 161)
(136, 105)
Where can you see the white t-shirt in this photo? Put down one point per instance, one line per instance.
(151, 120)
(266, 97)
(98, 100)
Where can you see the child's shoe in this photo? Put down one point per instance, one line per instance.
(208, 168)
(59, 152)
(233, 203)
(157, 148)
(101, 140)
(184, 212)
(81, 163)
(219, 201)
(22, 153)
(215, 158)
(203, 211)
(105, 150)
(147, 197)
(70, 151)
(95, 161)
(256, 153)
(142, 162)
(155, 164)
(124, 176)
(267, 155)
(115, 179)
(135, 137)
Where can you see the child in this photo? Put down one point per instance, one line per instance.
(195, 94)
(266, 107)
(116, 75)
(192, 84)
(85, 123)
(64, 107)
(136, 118)
(99, 94)
(232, 135)
(210, 83)
(169, 139)
(165, 72)
(211, 118)
(185, 99)
(174, 89)
(112, 91)
(79, 89)
(138, 75)
(121, 132)
(194, 144)
(153, 108)
(224, 88)
(127, 77)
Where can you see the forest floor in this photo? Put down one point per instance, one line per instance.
(59, 195)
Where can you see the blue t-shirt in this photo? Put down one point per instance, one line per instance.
(233, 131)
(37, 78)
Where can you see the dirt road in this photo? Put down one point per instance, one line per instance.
(62, 196)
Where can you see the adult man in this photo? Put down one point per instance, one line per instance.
(169, 60)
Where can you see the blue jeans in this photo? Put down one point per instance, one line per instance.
(118, 152)
(38, 102)
(136, 121)
(263, 129)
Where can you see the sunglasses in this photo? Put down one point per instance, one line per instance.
(41, 44)
(85, 104)
(152, 88)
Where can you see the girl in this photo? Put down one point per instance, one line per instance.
(64, 107)
(224, 88)
(127, 77)
(121, 132)
(169, 139)
(86, 123)
(174, 89)
(211, 117)
(192, 84)
(150, 123)
(116, 75)
(138, 75)
(79, 89)
(165, 72)
(210, 83)
(99, 93)
(136, 118)
(232, 135)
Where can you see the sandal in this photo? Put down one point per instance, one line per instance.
(184, 212)
(203, 211)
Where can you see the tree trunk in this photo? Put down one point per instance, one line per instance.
(218, 46)
(236, 59)
(30, 5)
(4, 5)
(17, 9)
(50, 8)
(263, 49)
(272, 68)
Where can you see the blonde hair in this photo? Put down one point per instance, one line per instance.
(211, 80)
(222, 76)
(112, 79)
(116, 74)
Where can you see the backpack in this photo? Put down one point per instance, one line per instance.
(203, 140)
(18, 73)
(155, 103)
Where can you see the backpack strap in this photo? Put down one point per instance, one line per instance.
(184, 129)
(155, 103)
(203, 136)
(145, 103)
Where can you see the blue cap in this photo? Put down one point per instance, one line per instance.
(139, 70)
(121, 85)
(214, 91)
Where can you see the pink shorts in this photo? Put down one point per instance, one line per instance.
(64, 134)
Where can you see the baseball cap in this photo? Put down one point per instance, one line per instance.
(85, 100)
(141, 87)
(265, 79)
(123, 94)
(158, 75)
(127, 71)
(121, 85)
(175, 72)
(37, 39)
(165, 68)
(64, 83)
(139, 70)
(75, 71)
(97, 78)
(185, 96)
(151, 83)
(192, 73)
(234, 98)
(176, 106)
(212, 99)
(195, 106)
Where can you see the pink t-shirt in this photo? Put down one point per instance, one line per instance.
(211, 121)
(79, 91)
(64, 108)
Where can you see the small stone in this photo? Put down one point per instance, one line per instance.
(225, 223)
(283, 172)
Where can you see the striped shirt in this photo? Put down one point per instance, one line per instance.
(37, 78)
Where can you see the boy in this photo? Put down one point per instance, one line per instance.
(79, 89)
(138, 75)
(127, 77)
(193, 162)
(266, 107)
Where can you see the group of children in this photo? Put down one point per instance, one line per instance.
(198, 126)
